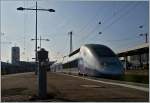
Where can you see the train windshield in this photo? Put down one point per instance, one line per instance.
(102, 51)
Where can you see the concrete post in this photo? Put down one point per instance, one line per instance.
(42, 77)
(42, 80)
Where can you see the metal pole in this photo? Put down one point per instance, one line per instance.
(36, 70)
(50, 10)
(0, 36)
(40, 41)
(0, 47)
(146, 35)
(36, 35)
(71, 41)
(70, 33)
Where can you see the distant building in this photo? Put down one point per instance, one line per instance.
(15, 55)
(19, 67)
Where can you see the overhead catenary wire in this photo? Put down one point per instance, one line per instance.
(103, 23)
(109, 18)
(84, 26)
(123, 39)
(65, 22)
(89, 34)
(131, 8)
(126, 43)
(118, 18)
(89, 22)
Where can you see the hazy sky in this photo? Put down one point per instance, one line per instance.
(120, 21)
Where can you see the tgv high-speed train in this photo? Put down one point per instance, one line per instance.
(91, 60)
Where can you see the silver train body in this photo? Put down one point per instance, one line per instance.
(91, 60)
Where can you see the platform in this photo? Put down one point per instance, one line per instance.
(63, 87)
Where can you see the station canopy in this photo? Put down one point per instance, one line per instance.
(140, 49)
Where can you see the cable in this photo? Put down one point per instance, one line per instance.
(124, 39)
(117, 12)
(89, 22)
(120, 17)
(124, 43)
(97, 15)
(86, 37)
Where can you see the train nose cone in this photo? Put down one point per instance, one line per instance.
(112, 71)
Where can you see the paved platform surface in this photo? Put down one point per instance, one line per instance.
(62, 87)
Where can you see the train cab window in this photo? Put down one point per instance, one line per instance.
(103, 51)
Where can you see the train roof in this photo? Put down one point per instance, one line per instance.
(73, 56)
(95, 45)
(89, 46)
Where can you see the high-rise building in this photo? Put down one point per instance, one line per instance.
(15, 55)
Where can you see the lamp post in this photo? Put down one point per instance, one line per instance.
(36, 9)
(41, 40)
